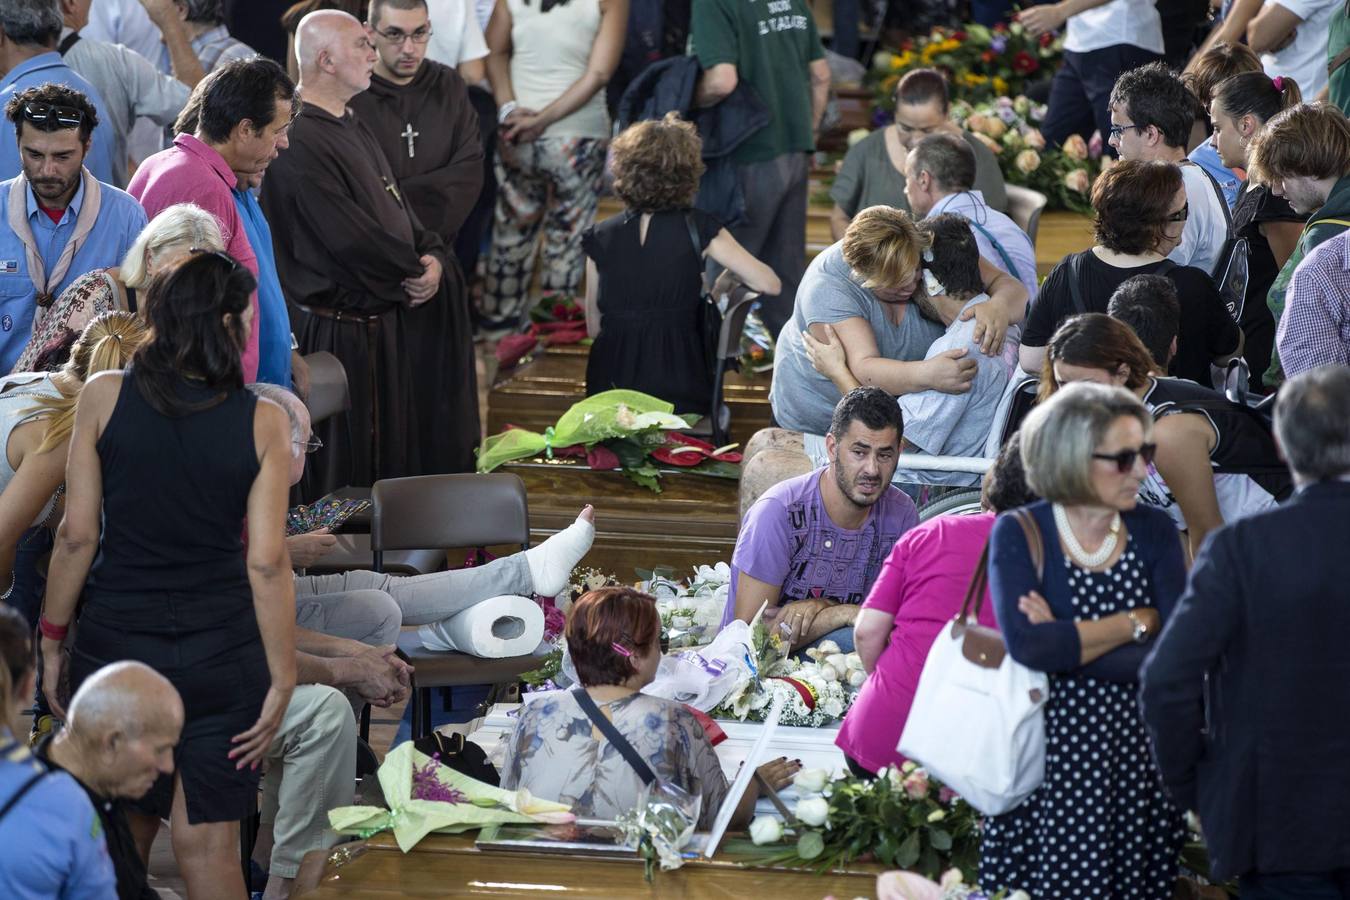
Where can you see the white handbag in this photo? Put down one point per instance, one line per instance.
(977, 721)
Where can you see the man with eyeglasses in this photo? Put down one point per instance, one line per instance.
(419, 111)
(29, 33)
(243, 111)
(1151, 117)
(367, 273)
(62, 222)
(873, 171)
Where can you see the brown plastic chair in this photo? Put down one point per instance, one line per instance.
(450, 511)
(329, 395)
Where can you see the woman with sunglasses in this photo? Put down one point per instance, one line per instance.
(167, 459)
(1216, 462)
(1139, 213)
(1101, 823)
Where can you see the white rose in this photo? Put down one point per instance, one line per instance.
(811, 781)
(833, 707)
(1019, 895)
(828, 673)
(812, 810)
(838, 660)
(766, 830)
(857, 135)
(855, 662)
(827, 647)
(856, 678)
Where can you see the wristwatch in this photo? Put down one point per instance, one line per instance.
(1140, 633)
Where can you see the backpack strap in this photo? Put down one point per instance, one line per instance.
(19, 794)
(693, 234)
(1218, 192)
(998, 248)
(612, 734)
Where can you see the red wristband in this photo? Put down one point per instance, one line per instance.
(52, 632)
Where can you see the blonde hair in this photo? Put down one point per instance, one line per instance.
(882, 246)
(181, 225)
(106, 344)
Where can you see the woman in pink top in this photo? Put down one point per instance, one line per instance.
(918, 592)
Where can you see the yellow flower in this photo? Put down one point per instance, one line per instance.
(897, 63)
(937, 815)
(1000, 87)
(906, 58)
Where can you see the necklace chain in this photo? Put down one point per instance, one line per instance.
(1081, 556)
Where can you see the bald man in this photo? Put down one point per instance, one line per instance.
(370, 280)
(121, 729)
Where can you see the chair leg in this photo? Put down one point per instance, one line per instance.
(416, 701)
(365, 723)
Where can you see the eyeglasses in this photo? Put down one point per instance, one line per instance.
(1117, 130)
(397, 37)
(49, 113)
(1124, 460)
(221, 254)
(1180, 215)
(313, 445)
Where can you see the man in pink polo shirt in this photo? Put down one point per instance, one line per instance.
(245, 108)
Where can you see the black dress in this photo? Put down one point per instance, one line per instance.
(170, 588)
(1255, 206)
(649, 295)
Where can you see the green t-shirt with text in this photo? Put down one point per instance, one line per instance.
(771, 43)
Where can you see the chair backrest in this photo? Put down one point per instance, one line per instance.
(1025, 207)
(1235, 380)
(1018, 398)
(446, 511)
(739, 302)
(328, 392)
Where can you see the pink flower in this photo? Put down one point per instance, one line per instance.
(916, 784)
(1035, 140)
(1075, 147)
(1027, 161)
(946, 795)
(906, 886)
(1078, 180)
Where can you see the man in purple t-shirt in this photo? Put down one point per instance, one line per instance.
(811, 546)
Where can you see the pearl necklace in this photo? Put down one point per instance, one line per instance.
(1081, 556)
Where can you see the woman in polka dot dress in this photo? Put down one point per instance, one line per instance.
(1100, 826)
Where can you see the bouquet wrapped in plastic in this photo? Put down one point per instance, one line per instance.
(424, 796)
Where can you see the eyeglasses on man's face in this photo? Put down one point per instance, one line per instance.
(313, 445)
(1115, 131)
(397, 36)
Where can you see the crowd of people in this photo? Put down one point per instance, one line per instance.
(187, 219)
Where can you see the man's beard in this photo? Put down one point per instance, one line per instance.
(50, 189)
(845, 486)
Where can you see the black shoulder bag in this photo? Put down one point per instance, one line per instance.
(709, 314)
(612, 734)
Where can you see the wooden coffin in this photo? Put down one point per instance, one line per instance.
(445, 865)
(693, 520)
(534, 395)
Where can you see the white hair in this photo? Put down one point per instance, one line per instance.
(121, 696)
(180, 225)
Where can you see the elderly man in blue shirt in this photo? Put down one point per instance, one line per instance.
(29, 30)
(62, 222)
(940, 178)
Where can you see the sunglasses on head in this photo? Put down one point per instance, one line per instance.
(1124, 460)
(48, 113)
(220, 254)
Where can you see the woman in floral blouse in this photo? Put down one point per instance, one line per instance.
(613, 637)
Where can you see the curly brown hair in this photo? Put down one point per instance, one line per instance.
(657, 164)
(1132, 200)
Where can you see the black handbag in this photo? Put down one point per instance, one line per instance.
(462, 755)
(709, 313)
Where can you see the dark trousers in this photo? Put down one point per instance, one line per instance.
(469, 241)
(775, 228)
(30, 584)
(846, 15)
(1081, 91)
(1305, 886)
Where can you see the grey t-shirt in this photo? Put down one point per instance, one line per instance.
(802, 398)
(867, 177)
(957, 424)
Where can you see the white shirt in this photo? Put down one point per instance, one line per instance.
(1010, 237)
(130, 85)
(1133, 22)
(1206, 228)
(127, 22)
(456, 35)
(1305, 59)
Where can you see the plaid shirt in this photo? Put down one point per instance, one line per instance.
(1315, 327)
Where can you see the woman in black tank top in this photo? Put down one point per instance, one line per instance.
(1215, 460)
(167, 460)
